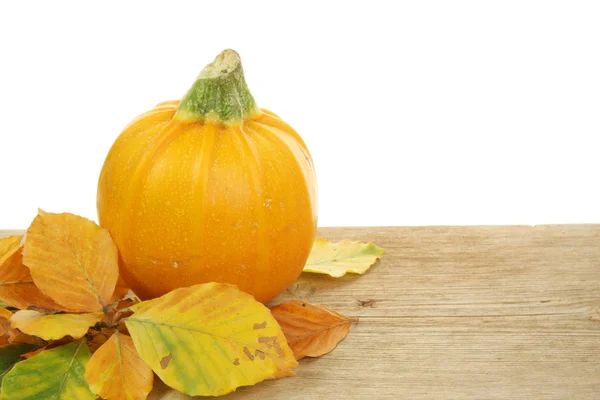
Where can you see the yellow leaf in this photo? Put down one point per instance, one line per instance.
(284, 373)
(116, 371)
(337, 259)
(72, 260)
(309, 329)
(209, 339)
(54, 326)
(16, 285)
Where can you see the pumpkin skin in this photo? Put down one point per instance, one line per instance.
(200, 199)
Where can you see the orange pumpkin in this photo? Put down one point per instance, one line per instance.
(211, 188)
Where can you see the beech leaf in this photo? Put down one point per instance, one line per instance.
(34, 352)
(5, 328)
(56, 374)
(338, 259)
(310, 330)
(54, 326)
(116, 371)
(8, 334)
(209, 339)
(72, 260)
(121, 290)
(10, 354)
(6, 314)
(16, 284)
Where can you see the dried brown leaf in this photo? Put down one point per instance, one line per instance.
(310, 330)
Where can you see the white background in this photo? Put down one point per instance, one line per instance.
(416, 113)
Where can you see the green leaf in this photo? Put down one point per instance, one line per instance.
(3, 305)
(337, 259)
(10, 354)
(56, 374)
(209, 339)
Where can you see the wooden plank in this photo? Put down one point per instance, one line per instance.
(489, 312)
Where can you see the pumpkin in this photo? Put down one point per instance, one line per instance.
(210, 189)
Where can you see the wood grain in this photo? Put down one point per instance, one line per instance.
(487, 312)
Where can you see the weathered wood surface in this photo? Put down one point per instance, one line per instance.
(490, 312)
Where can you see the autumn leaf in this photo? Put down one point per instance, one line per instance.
(9, 355)
(121, 290)
(97, 338)
(16, 284)
(10, 335)
(116, 371)
(5, 328)
(121, 309)
(337, 259)
(72, 260)
(6, 314)
(52, 374)
(209, 339)
(34, 352)
(54, 326)
(310, 330)
(284, 373)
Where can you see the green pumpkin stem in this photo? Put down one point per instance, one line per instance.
(220, 93)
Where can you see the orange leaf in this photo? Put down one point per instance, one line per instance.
(4, 325)
(121, 310)
(72, 260)
(310, 330)
(8, 334)
(121, 290)
(6, 314)
(16, 285)
(117, 372)
(98, 338)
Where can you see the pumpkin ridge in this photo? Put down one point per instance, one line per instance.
(162, 139)
(201, 181)
(269, 124)
(268, 134)
(253, 165)
(151, 114)
(272, 120)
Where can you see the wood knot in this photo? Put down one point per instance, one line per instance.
(367, 303)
